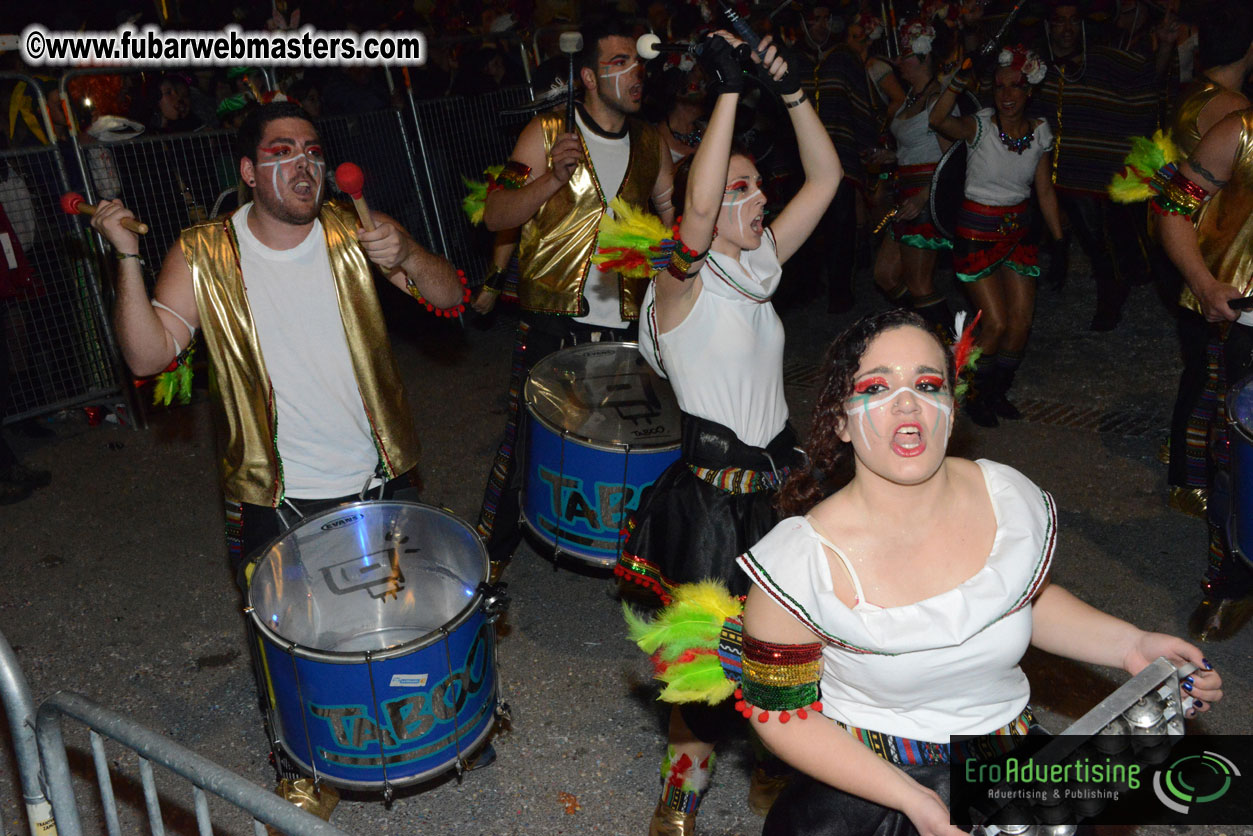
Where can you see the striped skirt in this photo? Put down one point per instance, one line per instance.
(917, 232)
(989, 236)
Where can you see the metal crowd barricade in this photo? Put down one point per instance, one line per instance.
(458, 137)
(377, 141)
(61, 348)
(43, 766)
(207, 777)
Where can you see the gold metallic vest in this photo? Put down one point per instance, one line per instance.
(558, 243)
(242, 395)
(1183, 130)
(1224, 225)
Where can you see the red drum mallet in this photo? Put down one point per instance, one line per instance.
(73, 204)
(351, 181)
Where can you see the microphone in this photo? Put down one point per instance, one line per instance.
(650, 46)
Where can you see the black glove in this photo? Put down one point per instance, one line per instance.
(791, 81)
(719, 61)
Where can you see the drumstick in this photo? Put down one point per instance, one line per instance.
(72, 203)
(351, 181)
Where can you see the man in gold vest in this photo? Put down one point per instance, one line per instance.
(557, 186)
(1226, 37)
(1206, 227)
(307, 399)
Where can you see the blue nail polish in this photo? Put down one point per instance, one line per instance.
(1198, 703)
(1187, 686)
(1207, 665)
(1190, 680)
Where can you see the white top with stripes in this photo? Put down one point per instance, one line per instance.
(942, 666)
(725, 359)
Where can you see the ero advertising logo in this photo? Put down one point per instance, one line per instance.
(1194, 780)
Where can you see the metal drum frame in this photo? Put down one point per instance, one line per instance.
(625, 449)
(487, 599)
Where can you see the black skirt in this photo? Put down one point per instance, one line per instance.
(687, 530)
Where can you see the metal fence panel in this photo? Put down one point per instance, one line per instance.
(152, 748)
(18, 706)
(378, 143)
(459, 137)
(59, 346)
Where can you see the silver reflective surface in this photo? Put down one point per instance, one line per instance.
(367, 576)
(604, 393)
(1240, 405)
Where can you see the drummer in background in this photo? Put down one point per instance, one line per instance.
(1008, 153)
(308, 401)
(911, 274)
(709, 327)
(556, 186)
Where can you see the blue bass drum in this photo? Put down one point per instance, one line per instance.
(1240, 444)
(376, 643)
(602, 426)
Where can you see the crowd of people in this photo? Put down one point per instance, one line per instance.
(781, 166)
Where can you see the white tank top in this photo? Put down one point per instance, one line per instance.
(609, 161)
(324, 440)
(725, 359)
(916, 142)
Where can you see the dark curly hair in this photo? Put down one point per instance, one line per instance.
(826, 451)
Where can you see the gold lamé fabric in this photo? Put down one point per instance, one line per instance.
(1183, 129)
(557, 245)
(1224, 225)
(241, 393)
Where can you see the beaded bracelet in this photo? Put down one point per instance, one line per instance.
(779, 677)
(512, 176)
(445, 312)
(1176, 193)
(682, 257)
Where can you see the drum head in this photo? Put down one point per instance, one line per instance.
(1240, 406)
(948, 189)
(367, 576)
(604, 394)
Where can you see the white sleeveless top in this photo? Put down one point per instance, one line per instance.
(725, 359)
(943, 666)
(916, 142)
(995, 175)
(324, 440)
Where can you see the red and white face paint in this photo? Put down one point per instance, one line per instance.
(900, 414)
(742, 218)
(291, 169)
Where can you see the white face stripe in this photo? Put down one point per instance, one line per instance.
(864, 405)
(316, 168)
(616, 75)
(738, 208)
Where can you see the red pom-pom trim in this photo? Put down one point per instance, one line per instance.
(784, 717)
(763, 716)
(802, 713)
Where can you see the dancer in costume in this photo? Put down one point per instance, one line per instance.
(906, 599)
(1206, 227)
(1008, 153)
(307, 398)
(709, 327)
(556, 187)
(918, 150)
(1227, 37)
